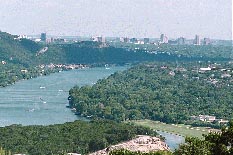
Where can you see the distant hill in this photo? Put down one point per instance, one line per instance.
(88, 52)
(25, 52)
(20, 54)
(29, 53)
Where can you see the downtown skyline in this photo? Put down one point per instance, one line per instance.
(149, 18)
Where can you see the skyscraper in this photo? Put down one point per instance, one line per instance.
(163, 38)
(146, 40)
(197, 40)
(43, 37)
(126, 40)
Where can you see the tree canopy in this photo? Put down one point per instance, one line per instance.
(157, 91)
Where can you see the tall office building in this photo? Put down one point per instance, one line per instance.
(146, 40)
(125, 40)
(197, 40)
(101, 39)
(163, 38)
(206, 41)
(43, 37)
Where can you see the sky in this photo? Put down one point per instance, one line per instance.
(118, 18)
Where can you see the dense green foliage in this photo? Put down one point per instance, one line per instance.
(85, 137)
(17, 55)
(212, 144)
(151, 91)
(78, 136)
(204, 52)
(13, 51)
(169, 94)
(84, 53)
(20, 54)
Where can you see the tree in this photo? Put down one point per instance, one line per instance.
(212, 144)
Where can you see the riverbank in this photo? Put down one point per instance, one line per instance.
(22, 73)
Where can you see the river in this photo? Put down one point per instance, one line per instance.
(172, 140)
(42, 101)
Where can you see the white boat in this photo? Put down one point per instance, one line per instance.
(73, 109)
(42, 87)
(106, 66)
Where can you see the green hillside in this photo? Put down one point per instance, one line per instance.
(23, 54)
(20, 52)
(79, 136)
(20, 58)
(158, 91)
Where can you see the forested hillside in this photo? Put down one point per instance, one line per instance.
(20, 58)
(79, 136)
(20, 52)
(27, 53)
(168, 92)
(204, 52)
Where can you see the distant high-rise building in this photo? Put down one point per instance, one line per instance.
(101, 39)
(43, 37)
(181, 41)
(146, 40)
(163, 38)
(197, 40)
(206, 41)
(52, 40)
(125, 40)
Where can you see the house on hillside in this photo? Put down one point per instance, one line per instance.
(203, 70)
(204, 118)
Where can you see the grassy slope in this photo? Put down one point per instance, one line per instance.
(180, 129)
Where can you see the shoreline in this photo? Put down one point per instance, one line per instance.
(43, 72)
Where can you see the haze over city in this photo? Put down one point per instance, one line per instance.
(118, 18)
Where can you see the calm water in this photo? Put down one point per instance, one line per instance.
(42, 101)
(172, 140)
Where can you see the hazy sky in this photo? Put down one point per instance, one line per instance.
(132, 18)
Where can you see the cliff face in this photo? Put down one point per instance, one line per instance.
(141, 143)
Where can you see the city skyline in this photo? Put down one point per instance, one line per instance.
(140, 19)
